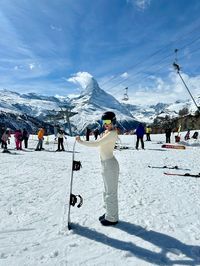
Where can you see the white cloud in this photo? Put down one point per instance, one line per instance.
(81, 78)
(163, 90)
(31, 66)
(125, 75)
(140, 4)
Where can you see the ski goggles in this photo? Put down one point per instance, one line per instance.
(107, 122)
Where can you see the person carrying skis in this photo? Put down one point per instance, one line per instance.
(110, 168)
(140, 134)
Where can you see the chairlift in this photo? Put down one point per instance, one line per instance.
(125, 98)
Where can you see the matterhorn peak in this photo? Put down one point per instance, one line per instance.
(86, 81)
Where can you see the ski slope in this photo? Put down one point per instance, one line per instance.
(159, 215)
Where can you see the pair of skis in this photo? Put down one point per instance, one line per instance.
(168, 167)
(175, 168)
(186, 174)
(73, 199)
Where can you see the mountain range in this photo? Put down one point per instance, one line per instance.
(32, 110)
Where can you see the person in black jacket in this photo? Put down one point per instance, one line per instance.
(25, 137)
(168, 132)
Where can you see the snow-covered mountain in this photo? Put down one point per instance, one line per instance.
(31, 104)
(89, 106)
(94, 101)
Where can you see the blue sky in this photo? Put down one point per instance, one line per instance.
(47, 44)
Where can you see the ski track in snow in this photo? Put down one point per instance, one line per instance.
(159, 215)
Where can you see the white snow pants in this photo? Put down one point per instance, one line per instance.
(110, 173)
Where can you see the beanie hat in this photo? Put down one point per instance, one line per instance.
(109, 116)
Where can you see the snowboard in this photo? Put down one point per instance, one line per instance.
(173, 146)
(73, 199)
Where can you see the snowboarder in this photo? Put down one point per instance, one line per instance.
(110, 168)
(40, 139)
(140, 134)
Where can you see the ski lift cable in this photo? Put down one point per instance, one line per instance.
(156, 70)
(153, 54)
(163, 59)
(160, 68)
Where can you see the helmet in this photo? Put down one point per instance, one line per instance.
(109, 116)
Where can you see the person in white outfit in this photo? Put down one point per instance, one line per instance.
(110, 168)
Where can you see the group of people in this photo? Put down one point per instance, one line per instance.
(19, 135)
(22, 136)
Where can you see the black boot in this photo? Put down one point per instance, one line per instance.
(107, 223)
(102, 217)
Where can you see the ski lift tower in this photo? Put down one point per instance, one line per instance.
(65, 113)
(178, 69)
(126, 98)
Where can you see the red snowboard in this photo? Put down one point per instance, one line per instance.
(173, 146)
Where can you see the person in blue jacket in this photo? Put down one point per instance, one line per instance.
(140, 131)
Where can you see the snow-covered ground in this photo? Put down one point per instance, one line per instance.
(159, 214)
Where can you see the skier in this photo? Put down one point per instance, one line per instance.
(40, 139)
(140, 134)
(110, 168)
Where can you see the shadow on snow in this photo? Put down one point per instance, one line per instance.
(166, 243)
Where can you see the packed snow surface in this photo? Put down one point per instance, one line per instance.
(159, 214)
